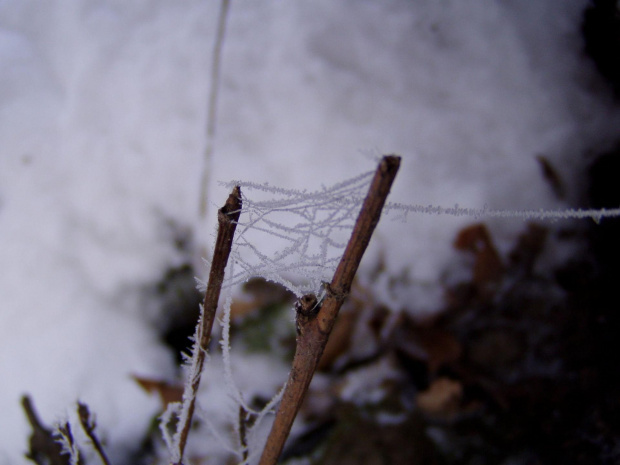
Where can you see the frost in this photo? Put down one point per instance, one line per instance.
(165, 420)
(539, 214)
(313, 226)
(233, 390)
(183, 410)
(302, 234)
(68, 443)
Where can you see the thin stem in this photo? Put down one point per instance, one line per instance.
(244, 424)
(212, 109)
(228, 216)
(88, 425)
(315, 326)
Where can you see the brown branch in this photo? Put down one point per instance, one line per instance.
(71, 452)
(245, 421)
(227, 216)
(313, 323)
(44, 447)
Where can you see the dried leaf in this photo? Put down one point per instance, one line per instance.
(488, 267)
(167, 392)
(442, 399)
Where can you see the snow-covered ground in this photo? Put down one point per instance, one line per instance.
(103, 110)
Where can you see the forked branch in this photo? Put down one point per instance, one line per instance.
(315, 323)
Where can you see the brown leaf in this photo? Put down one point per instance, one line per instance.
(488, 267)
(167, 392)
(442, 399)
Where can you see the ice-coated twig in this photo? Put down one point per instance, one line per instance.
(314, 327)
(87, 421)
(46, 445)
(233, 390)
(165, 419)
(228, 216)
(69, 446)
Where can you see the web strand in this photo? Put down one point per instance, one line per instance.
(306, 231)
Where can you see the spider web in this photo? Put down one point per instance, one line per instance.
(295, 238)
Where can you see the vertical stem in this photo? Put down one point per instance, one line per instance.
(88, 425)
(228, 216)
(314, 328)
(212, 108)
(243, 427)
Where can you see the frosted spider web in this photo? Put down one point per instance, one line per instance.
(302, 234)
(294, 238)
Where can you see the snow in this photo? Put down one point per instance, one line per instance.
(102, 128)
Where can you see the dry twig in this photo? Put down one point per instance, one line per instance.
(228, 216)
(88, 425)
(212, 112)
(315, 321)
(44, 447)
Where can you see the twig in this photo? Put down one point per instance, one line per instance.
(228, 216)
(44, 447)
(245, 422)
(315, 322)
(212, 111)
(69, 445)
(88, 425)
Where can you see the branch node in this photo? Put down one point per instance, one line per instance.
(336, 292)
